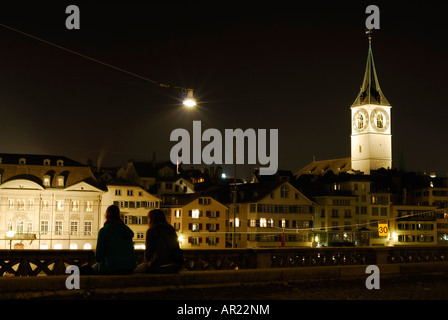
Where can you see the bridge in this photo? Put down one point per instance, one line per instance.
(40, 274)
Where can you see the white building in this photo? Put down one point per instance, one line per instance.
(134, 203)
(47, 202)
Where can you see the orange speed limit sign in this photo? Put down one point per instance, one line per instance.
(383, 229)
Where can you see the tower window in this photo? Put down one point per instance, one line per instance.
(360, 149)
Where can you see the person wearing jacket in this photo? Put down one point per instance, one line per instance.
(115, 249)
(161, 246)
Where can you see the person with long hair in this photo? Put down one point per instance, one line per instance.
(162, 253)
(115, 249)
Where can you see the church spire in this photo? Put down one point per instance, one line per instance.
(370, 92)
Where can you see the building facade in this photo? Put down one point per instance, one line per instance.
(273, 215)
(48, 202)
(349, 213)
(134, 203)
(200, 222)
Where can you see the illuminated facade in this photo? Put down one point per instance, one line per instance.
(47, 202)
(349, 213)
(200, 222)
(273, 214)
(134, 203)
(413, 225)
(371, 139)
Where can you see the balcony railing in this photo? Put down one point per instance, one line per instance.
(55, 262)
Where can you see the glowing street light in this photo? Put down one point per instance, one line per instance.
(190, 101)
(10, 235)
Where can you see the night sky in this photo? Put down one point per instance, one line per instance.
(263, 65)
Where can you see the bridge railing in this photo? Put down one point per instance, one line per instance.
(55, 262)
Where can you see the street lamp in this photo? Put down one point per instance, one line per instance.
(190, 101)
(10, 235)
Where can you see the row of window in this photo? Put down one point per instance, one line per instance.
(128, 219)
(22, 228)
(196, 214)
(137, 204)
(413, 238)
(130, 192)
(278, 208)
(197, 227)
(260, 237)
(74, 205)
(282, 223)
(211, 241)
(415, 226)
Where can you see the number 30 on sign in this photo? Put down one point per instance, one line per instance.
(383, 229)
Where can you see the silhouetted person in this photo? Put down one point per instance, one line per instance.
(115, 250)
(163, 254)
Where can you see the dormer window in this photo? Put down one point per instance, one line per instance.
(60, 181)
(46, 162)
(60, 163)
(47, 181)
(22, 161)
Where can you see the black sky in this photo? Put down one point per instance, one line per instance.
(272, 65)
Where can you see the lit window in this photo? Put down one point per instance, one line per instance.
(46, 181)
(177, 214)
(45, 205)
(58, 228)
(20, 204)
(73, 228)
(10, 204)
(19, 227)
(60, 205)
(44, 227)
(73, 246)
(89, 206)
(87, 228)
(75, 205)
(195, 214)
(263, 223)
(58, 246)
(60, 181)
(29, 227)
(237, 222)
(87, 246)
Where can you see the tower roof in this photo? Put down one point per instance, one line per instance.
(370, 92)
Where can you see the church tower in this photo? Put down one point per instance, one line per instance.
(371, 139)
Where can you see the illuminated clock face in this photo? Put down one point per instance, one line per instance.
(379, 119)
(360, 120)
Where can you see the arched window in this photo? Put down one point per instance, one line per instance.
(60, 181)
(60, 163)
(47, 181)
(46, 162)
(22, 161)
